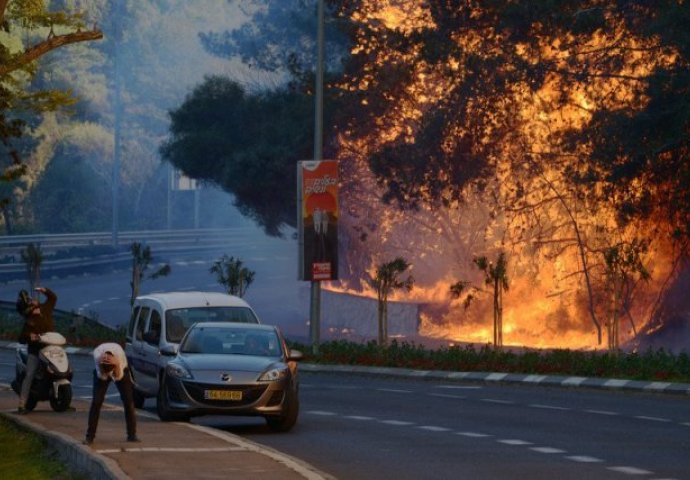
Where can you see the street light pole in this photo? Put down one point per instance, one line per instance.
(315, 304)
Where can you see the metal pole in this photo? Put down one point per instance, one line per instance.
(315, 305)
(118, 126)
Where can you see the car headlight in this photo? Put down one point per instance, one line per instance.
(177, 371)
(273, 375)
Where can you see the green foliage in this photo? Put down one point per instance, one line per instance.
(248, 144)
(659, 365)
(387, 279)
(232, 275)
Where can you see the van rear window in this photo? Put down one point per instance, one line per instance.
(179, 320)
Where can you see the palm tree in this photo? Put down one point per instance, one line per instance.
(232, 275)
(141, 259)
(386, 280)
(496, 276)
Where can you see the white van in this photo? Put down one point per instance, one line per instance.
(158, 323)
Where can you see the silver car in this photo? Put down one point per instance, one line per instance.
(231, 369)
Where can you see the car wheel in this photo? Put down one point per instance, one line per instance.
(285, 422)
(139, 398)
(163, 405)
(62, 401)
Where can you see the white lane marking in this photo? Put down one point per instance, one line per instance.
(432, 428)
(687, 424)
(511, 441)
(322, 413)
(114, 298)
(630, 470)
(171, 450)
(494, 400)
(446, 395)
(584, 459)
(344, 387)
(473, 434)
(96, 302)
(459, 387)
(548, 407)
(396, 422)
(601, 412)
(653, 419)
(393, 390)
(358, 417)
(547, 450)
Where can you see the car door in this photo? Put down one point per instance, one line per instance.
(137, 357)
(150, 350)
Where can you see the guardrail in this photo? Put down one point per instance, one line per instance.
(162, 241)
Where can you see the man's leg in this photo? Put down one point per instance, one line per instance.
(125, 388)
(31, 367)
(100, 387)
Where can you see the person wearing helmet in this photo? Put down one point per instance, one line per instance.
(111, 365)
(38, 319)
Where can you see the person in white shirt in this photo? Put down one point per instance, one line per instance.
(111, 365)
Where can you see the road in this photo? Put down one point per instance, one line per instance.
(276, 294)
(357, 427)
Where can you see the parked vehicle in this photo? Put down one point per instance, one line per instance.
(53, 378)
(158, 323)
(232, 369)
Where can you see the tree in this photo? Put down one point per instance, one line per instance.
(232, 275)
(388, 279)
(141, 260)
(32, 256)
(248, 144)
(496, 276)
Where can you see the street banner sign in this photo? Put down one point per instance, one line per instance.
(317, 203)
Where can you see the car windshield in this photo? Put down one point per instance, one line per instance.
(232, 341)
(179, 320)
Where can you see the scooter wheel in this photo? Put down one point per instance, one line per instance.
(30, 403)
(63, 399)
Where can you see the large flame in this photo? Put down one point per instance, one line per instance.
(547, 303)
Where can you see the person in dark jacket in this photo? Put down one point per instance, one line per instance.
(38, 319)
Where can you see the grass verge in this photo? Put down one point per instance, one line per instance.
(26, 456)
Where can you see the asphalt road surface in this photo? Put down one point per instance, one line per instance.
(360, 427)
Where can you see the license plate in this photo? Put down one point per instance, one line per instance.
(223, 394)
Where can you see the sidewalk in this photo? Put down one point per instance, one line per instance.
(166, 449)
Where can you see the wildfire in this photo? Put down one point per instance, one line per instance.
(545, 220)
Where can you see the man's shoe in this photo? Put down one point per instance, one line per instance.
(87, 441)
(133, 438)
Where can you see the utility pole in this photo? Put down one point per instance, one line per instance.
(117, 100)
(315, 305)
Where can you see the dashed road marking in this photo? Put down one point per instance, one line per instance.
(652, 419)
(359, 417)
(393, 390)
(494, 400)
(473, 434)
(447, 395)
(547, 450)
(630, 470)
(396, 422)
(513, 441)
(460, 387)
(601, 412)
(433, 428)
(322, 413)
(548, 407)
(584, 459)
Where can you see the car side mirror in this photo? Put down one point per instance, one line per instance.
(169, 350)
(295, 355)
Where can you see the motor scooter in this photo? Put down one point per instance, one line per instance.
(53, 378)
